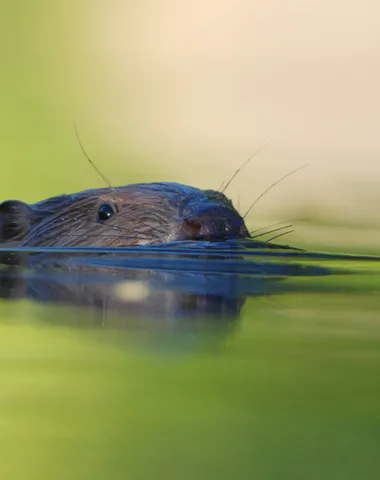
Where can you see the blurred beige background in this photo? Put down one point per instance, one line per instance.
(186, 91)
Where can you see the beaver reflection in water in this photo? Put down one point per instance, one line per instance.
(139, 214)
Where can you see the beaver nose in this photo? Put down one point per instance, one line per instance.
(213, 222)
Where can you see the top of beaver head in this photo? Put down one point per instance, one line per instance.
(140, 214)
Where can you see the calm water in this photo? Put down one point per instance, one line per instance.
(189, 363)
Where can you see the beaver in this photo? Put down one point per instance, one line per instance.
(130, 215)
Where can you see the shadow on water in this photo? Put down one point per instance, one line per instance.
(181, 288)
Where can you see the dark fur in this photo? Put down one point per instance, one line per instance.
(145, 214)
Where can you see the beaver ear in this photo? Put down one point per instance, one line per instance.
(15, 219)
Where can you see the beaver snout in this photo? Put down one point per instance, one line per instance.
(216, 222)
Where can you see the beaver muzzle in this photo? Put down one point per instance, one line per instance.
(212, 223)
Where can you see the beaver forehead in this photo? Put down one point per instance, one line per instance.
(160, 192)
(173, 192)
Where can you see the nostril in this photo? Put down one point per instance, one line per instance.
(194, 227)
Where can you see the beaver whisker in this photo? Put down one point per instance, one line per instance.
(140, 235)
(268, 226)
(271, 186)
(119, 228)
(243, 165)
(85, 235)
(154, 216)
(271, 231)
(151, 229)
(101, 174)
(279, 235)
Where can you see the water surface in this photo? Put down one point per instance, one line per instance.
(218, 362)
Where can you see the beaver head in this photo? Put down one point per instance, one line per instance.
(139, 214)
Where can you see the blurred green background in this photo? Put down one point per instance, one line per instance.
(185, 92)
(41, 47)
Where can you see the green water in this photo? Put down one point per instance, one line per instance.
(291, 392)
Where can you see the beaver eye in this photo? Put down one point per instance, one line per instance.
(105, 212)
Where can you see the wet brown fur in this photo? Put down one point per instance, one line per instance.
(144, 214)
